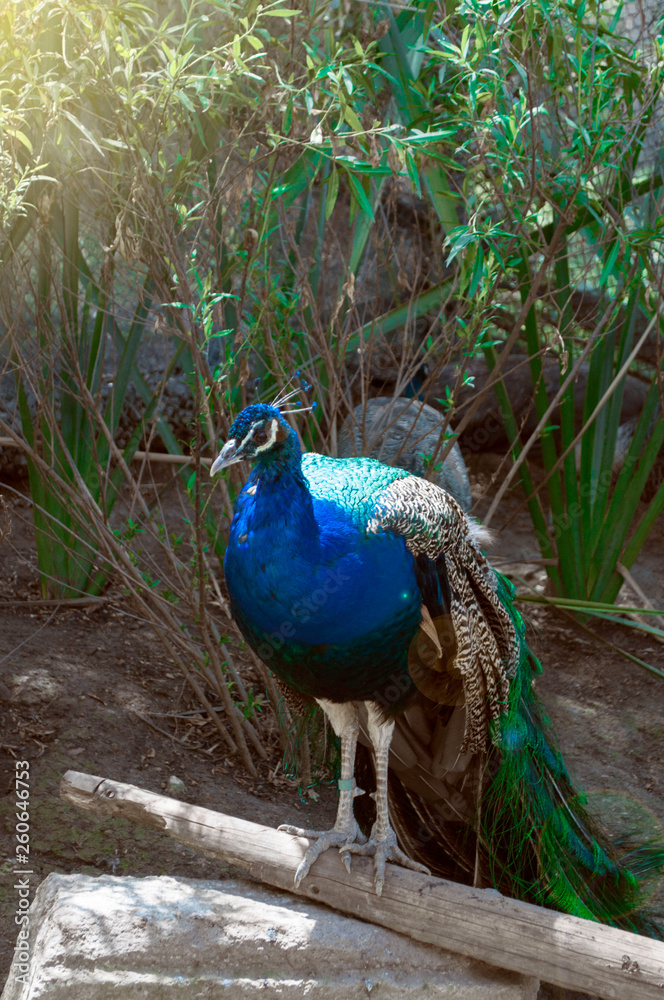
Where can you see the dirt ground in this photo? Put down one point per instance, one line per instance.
(72, 681)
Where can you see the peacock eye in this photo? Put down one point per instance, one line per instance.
(260, 437)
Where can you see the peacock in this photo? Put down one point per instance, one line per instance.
(366, 589)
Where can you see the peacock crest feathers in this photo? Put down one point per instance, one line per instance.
(488, 647)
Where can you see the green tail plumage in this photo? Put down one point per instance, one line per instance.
(540, 840)
(510, 818)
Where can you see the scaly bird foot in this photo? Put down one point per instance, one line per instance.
(345, 837)
(384, 848)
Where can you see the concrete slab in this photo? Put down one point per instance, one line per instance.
(106, 937)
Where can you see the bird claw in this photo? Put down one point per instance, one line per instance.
(350, 840)
(384, 848)
(345, 839)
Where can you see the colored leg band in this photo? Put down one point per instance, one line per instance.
(346, 784)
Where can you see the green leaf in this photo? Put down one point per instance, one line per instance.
(21, 136)
(609, 264)
(444, 201)
(332, 192)
(288, 116)
(413, 172)
(352, 120)
(81, 128)
(478, 271)
(360, 195)
(184, 100)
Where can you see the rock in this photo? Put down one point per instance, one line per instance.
(404, 432)
(485, 432)
(120, 938)
(175, 787)
(33, 687)
(624, 438)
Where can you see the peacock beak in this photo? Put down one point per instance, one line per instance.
(227, 456)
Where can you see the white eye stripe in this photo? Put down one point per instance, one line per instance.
(271, 438)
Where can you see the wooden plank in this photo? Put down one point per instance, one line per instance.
(481, 923)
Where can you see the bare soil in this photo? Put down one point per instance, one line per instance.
(72, 681)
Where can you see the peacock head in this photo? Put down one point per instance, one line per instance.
(260, 431)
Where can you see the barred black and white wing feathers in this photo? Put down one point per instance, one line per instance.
(460, 601)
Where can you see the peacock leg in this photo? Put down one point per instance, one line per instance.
(382, 843)
(344, 721)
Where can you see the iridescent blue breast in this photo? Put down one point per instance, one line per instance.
(327, 602)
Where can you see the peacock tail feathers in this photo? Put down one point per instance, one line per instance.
(531, 809)
(484, 795)
(508, 816)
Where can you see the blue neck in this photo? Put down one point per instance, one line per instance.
(283, 504)
(285, 459)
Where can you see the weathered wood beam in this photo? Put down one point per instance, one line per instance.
(567, 951)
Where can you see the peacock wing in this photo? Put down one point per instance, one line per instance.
(461, 660)
(467, 637)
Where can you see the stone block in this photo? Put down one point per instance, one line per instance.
(123, 938)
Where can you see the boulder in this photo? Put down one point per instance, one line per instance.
(122, 938)
(404, 432)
